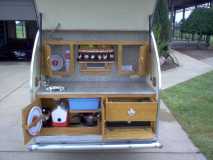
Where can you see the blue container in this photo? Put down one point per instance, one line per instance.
(84, 103)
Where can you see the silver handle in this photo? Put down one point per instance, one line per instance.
(131, 112)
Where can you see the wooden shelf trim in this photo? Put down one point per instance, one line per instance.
(72, 42)
(120, 133)
(56, 131)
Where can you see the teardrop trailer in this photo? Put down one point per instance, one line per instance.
(95, 77)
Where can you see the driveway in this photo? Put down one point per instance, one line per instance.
(208, 61)
(13, 75)
(15, 96)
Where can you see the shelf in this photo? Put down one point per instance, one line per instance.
(95, 70)
(96, 61)
(81, 130)
(123, 133)
(84, 111)
(96, 50)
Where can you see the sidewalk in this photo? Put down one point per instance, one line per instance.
(188, 69)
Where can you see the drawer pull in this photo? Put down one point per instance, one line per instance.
(131, 112)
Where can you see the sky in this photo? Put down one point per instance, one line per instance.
(179, 15)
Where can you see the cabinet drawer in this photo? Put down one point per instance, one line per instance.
(130, 110)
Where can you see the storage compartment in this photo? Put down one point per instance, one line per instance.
(95, 67)
(126, 131)
(96, 59)
(130, 118)
(89, 123)
(129, 133)
(119, 119)
(97, 53)
(132, 59)
(59, 60)
(135, 109)
(128, 59)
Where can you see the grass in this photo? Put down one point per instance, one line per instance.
(192, 105)
(211, 41)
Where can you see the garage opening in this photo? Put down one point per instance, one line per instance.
(16, 40)
(18, 27)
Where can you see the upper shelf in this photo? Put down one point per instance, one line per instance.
(73, 42)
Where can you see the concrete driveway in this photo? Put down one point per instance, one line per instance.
(14, 95)
(208, 61)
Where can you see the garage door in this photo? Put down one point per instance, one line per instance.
(17, 10)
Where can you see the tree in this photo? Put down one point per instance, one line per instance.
(199, 22)
(161, 26)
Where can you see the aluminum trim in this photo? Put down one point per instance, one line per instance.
(157, 60)
(80, 147)
(159, 82)
(32, 65)
(85, 139)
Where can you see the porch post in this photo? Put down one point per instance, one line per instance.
(173, 23)
(184, 16)
(171, 18)
(184, 11)
(195, 2)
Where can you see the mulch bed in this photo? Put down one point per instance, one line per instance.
(168, 65)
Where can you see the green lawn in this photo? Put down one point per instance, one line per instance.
(211, 41)
(192, 105)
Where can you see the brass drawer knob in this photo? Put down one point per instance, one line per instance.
(131, 112)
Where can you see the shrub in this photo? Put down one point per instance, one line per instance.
(161, 27)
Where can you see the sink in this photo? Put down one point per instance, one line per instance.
(55, 88)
